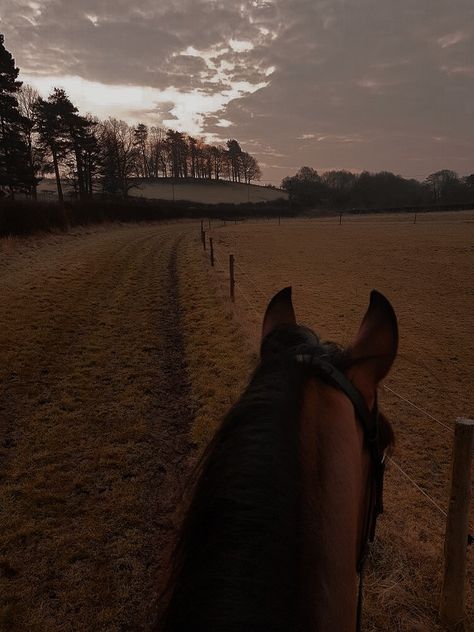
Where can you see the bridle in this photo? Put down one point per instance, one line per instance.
(369, 420)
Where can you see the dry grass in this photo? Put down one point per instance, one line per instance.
(120, 353)
(218, 355)
(95, 412)
(209, 193)
(426, 270)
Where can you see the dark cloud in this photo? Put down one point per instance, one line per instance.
(364, 85)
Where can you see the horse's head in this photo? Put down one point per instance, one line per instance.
(286, 492)
(343, 439)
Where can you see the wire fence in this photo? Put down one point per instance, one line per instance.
(262, 295)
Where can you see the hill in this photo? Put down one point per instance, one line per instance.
(203, 191)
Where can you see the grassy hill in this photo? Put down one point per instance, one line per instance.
(205, 192)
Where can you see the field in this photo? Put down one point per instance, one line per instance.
(201, 191)
(426, 270)
(120, 352)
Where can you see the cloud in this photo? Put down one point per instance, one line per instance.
(364, 85)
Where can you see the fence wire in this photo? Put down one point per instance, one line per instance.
(387, 388)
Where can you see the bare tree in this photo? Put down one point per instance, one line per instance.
(119, 156)
(249, 167)
(157, 152)
(27, 97)
(141, 141)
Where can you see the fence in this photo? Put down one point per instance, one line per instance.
(457, 536)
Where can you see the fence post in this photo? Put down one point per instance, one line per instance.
(279, 219)
(212, 251)
(232, 278)
(203, 237)
(340, 219)
(456, 539)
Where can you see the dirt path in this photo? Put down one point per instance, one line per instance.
(95, 412)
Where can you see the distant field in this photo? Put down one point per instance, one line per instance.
(203, 192)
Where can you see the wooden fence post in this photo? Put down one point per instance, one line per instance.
(340, 219)
(456, 539)
(212, 251)
(232, 278)
(203, 237)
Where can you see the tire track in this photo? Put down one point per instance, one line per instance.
(100, 415)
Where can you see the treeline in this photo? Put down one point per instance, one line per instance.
(48, 136)
(346, 190)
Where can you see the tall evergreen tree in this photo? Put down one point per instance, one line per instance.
(77, 135)
(15, 169)
(52, 138)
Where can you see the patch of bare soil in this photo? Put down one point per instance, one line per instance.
(95, 412)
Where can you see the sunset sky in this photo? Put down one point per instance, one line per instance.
(372, 84)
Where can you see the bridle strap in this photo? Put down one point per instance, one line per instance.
(329, 373)
(369, 420)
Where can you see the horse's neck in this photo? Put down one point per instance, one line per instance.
(334, 475)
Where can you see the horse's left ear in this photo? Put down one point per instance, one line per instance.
(375, 347)
(279, 312)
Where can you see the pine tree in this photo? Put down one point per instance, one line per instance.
(50, 128)
(15, 169)
(69, 139)
(77, 135)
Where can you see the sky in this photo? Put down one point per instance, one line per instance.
(332, 84)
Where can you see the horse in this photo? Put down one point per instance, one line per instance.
(289, 489)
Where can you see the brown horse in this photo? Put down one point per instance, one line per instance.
(289, 488)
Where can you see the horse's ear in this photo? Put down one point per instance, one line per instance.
(374, 349)
(279, 312)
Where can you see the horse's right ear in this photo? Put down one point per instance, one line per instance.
(374, 348)
(279, 312)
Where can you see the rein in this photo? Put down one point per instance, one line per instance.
(369, 420)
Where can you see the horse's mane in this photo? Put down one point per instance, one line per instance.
(235, 566)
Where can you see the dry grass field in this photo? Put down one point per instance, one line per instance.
(209, 193)
(427, 271)
(105, 364)
(119, 353)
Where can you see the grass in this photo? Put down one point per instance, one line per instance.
(426, 271)
(218, 355)
(109, 394)
(91, 467)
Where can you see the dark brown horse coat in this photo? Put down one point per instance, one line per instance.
(276, 521)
